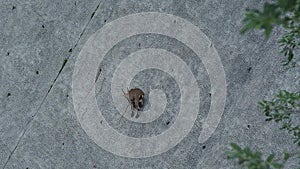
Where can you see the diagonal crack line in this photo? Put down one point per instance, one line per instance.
(59, 72)
(28, 124)
(84, 29)
(26, 128)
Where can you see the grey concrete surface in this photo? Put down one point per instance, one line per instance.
(41, 40)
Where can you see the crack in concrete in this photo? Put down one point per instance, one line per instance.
(84, 29)
(28, 124)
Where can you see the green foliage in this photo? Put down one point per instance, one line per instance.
(285, 13)
(254, 160)
(288, 43)
(280, 108)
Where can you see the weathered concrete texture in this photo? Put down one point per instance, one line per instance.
(38, 125)
(35, 40)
